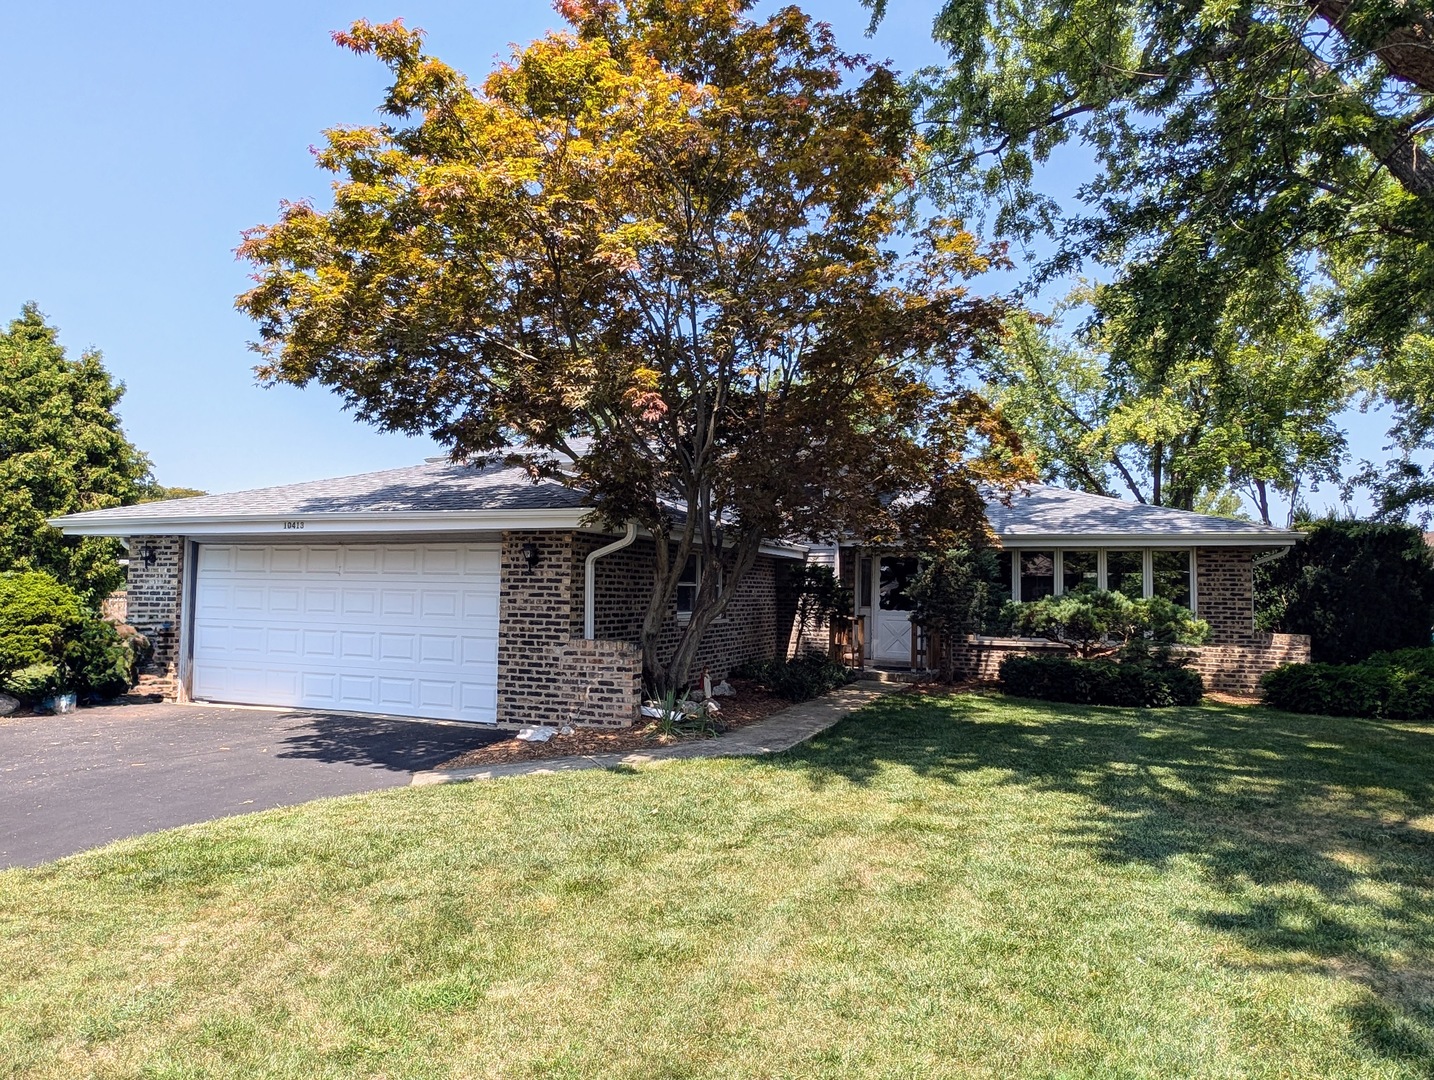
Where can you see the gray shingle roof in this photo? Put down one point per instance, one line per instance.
(431, 487)
(1038, 511)
(1035, 513)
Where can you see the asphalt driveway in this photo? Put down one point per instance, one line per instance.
(69, 783)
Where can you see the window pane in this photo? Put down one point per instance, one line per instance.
(1001, 586)
(1125, 573)
(863, 588)
(1077, 569)
(1038, 574)
(895, 573)
(687, 587)
(1172, 576)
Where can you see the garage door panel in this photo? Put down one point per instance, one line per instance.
(323, 560)
(358, 645)
(282, 599)
(249, 559)
(438, 603)
(399, 560)
(321, 644)
(407, 629)
(360, 602)
(360, 559)
(480, 650)
(216, 557)
(285, 560)
(397, 603)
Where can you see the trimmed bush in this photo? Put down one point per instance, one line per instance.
(1087, 620)
(51, 643)
(1389, 686)
(801, 679)
(1133, 683)
(1355, 587)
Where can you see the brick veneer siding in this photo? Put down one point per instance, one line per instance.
(1233, 659)
(1230, 669)
(547, 674)
(980, 658)
(1225, 593)
(152, 603)
(757, 624)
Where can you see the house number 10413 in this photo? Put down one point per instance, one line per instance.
(293, 524)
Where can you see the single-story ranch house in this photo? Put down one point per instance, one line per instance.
(470, 593)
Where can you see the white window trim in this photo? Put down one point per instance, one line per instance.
(699, 559)
(1102, 570)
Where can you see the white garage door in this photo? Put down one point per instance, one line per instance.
(408, 629)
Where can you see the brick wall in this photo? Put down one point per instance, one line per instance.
(153, 608)
(756, 625)
(1236, 669)
(547, 674)
(980, 658)
(1225, 593)
(1230, 669)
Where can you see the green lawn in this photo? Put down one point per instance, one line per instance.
(938, 887)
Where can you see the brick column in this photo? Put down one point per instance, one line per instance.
(1225, 584)
(154, 608)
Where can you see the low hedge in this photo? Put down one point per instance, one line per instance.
(1387, 686)
(799, 679)
(1147, 683)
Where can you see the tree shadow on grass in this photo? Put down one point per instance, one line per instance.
(1318, 832)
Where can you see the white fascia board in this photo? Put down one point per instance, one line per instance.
(368, 524)
(784, 551)
(1148, 540)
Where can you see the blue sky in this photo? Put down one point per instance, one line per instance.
(144, 138)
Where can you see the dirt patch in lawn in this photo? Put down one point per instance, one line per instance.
(750, 704)
(1219, 697)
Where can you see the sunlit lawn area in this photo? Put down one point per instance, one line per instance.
(954, 886)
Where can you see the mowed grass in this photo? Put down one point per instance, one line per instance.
(957, 886)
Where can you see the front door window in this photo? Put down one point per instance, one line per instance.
(895, 574)
(891, 632)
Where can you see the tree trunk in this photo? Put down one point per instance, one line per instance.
(675, 673)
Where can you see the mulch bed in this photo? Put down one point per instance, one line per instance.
(750, 704)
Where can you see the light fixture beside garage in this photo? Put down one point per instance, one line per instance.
(147, 555)
(531, 556)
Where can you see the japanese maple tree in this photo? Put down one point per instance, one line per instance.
(676, 231)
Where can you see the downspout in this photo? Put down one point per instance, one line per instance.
(1269, 557)
(590, 583)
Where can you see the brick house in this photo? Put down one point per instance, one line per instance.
(455, 592)
(1053, 540)
(442, 591)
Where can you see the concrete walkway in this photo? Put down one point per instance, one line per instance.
(778, 732)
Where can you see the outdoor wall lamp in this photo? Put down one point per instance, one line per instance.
(531, 556)
(147, 555)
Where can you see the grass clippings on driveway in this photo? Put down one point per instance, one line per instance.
(961, 886)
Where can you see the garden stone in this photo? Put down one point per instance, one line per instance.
(8, 704)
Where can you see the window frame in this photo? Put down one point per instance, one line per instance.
(697, 560)
(1147, 561)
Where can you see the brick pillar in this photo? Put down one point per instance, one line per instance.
(547, 673)
(1225, 581)
(153, 603)
(534, 623)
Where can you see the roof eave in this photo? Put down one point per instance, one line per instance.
(324, 524)
(1272, 538)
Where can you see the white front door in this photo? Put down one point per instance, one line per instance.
(891, 614)
(406, 629)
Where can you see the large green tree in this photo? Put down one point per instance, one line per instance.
(62, 450)
(1115, 410)
(1238, 147)
(675, 230)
